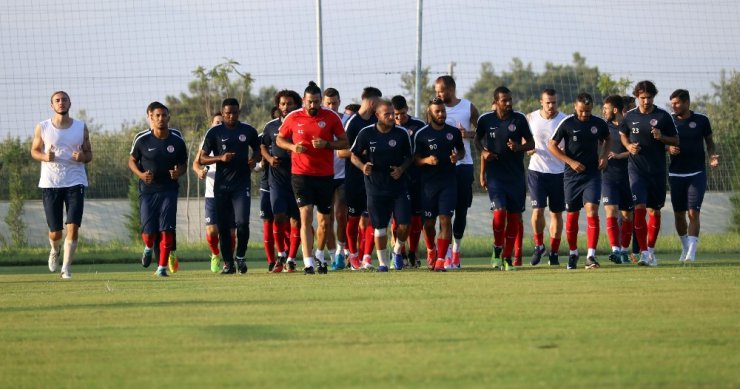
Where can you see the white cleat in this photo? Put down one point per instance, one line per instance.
(53, 260)
(653, 262)
(367, 266)
(66, 275)
(644, 259)
(684, 256)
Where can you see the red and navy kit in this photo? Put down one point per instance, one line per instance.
(439, 182)
(354, 188)
(265, 206)
(302, 128)
(220, 140)
(412, 126)
(281, 199)
(615, 183)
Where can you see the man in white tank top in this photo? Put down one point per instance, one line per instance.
(461, 114)
(62, 145)
(545, 177)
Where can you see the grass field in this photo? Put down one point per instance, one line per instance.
(618, 326)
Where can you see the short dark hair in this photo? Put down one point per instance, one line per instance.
(331, 92)
(584, 98)
(399, 102)
(682, 95)
(447, 80)
(230, 102)
(500, 90)
(56, 93)
(627, 100)
(312, 89)
(384, 102)
(615, 101)
(436, 101)
(274, 112)
(645, 86)
(370, 92)
(156, 105)
(549, 92)
(352, 107)
(291, 94)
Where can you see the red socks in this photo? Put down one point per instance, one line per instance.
(165, 246)
(429, 239)
(268, 236)
(612, 231)
(295, 241)
(519, 240)
(626, 232)
(512, 230)
(653, 228)
(213, 243)
(368, 241)
(149, 239)
(571, 229)
(641, 228)
(499, 225)
(539, 239)
(554, 245)
(593, 231)
(414, 233)
(442, 246)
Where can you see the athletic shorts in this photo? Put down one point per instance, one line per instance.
(232, 207)
(509, 195)
(314, 190)
(438, 200)
(380, 208)
(647, 189)
(617, 193)
(415, 195)
(581, 189)
(544, 186)
(158, 211)
(266, 212)
(464, 174)
(339, 183)
(688, 192)
(55, 201)
(356, 199)
(282, 201)
(210, 210)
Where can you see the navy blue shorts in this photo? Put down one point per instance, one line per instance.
(438, 200)
(688, 192)
(356, 199)
(581, 189)
(314, 190)
(338, 183)
(464, 175)
(210, 210)
(265, 206)
(158, 211)
(232, 207)
(509, 195)
(647, 189)
(57, 199)
(544, 186)
(415, 195)
(380, 208)
(617, 193)
(282, 201)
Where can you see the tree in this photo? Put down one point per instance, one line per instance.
(408, 84)
(14, 158)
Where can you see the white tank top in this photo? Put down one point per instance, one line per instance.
(542, 129)
(210, 179)
(460, 115)
(63, 171)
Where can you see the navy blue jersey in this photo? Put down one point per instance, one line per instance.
(412, 126)
(638, 127)
(279, 175)
(352, 175)
(616, 169)
(691, 133)
(383, 151)
(495, 133)
(581, 141)
(440, 143)
(238, 140)
(159, 156)
(264, 183)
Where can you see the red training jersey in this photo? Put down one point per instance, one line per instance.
(302, 128)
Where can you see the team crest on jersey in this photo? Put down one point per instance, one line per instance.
(171, 148)
(411, 132)
(242, 138)
(449, 137)
(653, 122)
(322, 124)
(594, 130)
(692, 125)
(512, 127)
(392, 143)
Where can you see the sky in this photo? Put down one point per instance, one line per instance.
(116, 56)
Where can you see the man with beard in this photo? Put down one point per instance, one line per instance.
(437, 148)
(311, 134)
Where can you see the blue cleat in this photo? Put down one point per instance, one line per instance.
(398, 261)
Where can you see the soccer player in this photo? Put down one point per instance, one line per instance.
(311, 134)
(629, 104)
(332, 100)
(586, 145)
(463, 115)
(62, 145)
(648, 130)
(383, 153)
(687, 171)
(545, 178)
(228, 146)
(354, 188)
(615, 185)
(281, 197)
(412, 125)
(437, 148)
(503, 136)
(158, 158)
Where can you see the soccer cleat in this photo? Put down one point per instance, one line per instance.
(624, 257)
(291, 267)
(323, 268)
(615, 257)
(431, 258)
(215, 263)
(448, 263)
(53, 260)
(270, 267)
(382, 269)
(405, 259)
(397, 261)
(308, 270)
(161, 272)
(517, 262)
(537, 255)
(146, 258)
(508, 265)
(66, 274)
(634, 257)
(591, 263)
(241, 264)
(653, 261)
(413, 261)
(572, 262)
(456, 260)
(367, 265)
(338, 262)
(684, 255)
(496, 261)
(279, 265)
(439, 265)
(229, 269)
(644, 259)
(172, 263)
(552, 259)
(354, 262)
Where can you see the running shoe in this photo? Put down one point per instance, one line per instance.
(591, 263)
(572, 261)
(215, 263)
(537, 255)
(172, 263)
(54, 260)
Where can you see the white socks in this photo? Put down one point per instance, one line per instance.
(591, 253)
(398, 246)
(693, 241)
(56, 245)
(382, 257)
(308, 262)
(319, 254)
(70, 246)
(456, 244)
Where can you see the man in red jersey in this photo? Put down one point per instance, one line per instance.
(310, 134)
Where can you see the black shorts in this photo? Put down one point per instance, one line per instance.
(356, 199)
(314, 190)
(617, 193)
(381, 207)
(688, 192)
(265, 205)
(210, 211)
(464, 175)
(282, 201)
(57, 199)
(158, 211)
(544, 186)
(581, 189)
(509, 195)
(647, 189)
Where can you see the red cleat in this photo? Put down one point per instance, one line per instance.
(439, 265)
(354, 262)
(517, 262)
(431, 259)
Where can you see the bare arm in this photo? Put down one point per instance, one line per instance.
(552, 146)
(37, 147)
(84, 154)
(199, 169)
(713, 157)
